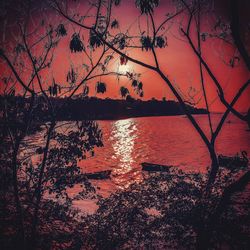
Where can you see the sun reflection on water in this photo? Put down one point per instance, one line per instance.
(123, 136)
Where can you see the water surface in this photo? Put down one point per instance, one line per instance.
(169, 140)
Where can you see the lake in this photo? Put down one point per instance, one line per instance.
(168, 140)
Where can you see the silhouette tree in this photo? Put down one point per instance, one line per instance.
(148, 43)
(27, 182)
(191, 12)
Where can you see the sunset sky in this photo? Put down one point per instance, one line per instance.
(176, 60)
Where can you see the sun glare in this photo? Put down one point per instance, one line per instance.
(124, 68)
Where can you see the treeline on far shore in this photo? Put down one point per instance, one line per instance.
(93, 108)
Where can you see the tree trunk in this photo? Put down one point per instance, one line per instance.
(235, 27)
(214, 170)
(34, 225)
(203, 235)
(20, 229)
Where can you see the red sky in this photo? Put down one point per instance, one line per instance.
(176, 60)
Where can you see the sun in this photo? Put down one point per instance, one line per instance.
(123, 69)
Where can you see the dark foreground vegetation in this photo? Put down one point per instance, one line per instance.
(166, 211)
(162, 212)
(92, 108)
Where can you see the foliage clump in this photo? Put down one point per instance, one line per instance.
(54, 89)
(146, 43)
(94, 40)
(147, 6)
(114, 24)
(160, 42)
(76, 45)
(85, 91)
(19, 48)
(71, 76)
(124, 92)
(101, 87)
(163, 212)
(138, 87)
(117, 2)
(123, 60)
(122, 43)
(43, 184)
(61, 30)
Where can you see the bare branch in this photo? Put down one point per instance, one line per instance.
(2, 54)
(235, 99)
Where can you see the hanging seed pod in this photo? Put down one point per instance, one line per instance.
(54, 90)
(140, 85)
(85, 91)
(160, 42)
(60, 30)
(134, 83)
(117, 2)
(107, 59)
(71, 76)
(19, 48)
(129, 75)
(146, 43)
(101, 87)
(203, 37)
(234, 61)
(50, 90)
(94, 40)
(124, 92)
(122, 43)
(114, 24)
(146, 6)
(76, 44)
(123, 60)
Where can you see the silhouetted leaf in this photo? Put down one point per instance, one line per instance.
(122, 43)
(19, 48)
(146, 43)
(60, 30)
(124, 91)
(117, 2)
(76, 45)
(71, 76)
(160, 42)
(94, 40)
(134, 83)
(140, 85)
(146, 6)
(85, 91)
(114, 24)
(123, 60)
(101, 87)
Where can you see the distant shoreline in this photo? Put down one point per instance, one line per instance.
(92, 108)
(109, 109)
